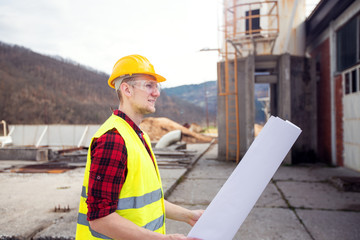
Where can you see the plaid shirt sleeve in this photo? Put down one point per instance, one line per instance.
(107, 174)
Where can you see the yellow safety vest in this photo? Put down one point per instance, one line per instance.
(141, 198)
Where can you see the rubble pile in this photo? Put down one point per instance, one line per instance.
(158, 127)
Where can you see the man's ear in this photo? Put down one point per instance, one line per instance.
(126, 89)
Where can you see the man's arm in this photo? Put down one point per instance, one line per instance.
(178, 213)
(119, 228)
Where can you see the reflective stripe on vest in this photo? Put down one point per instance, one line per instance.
(134, 202)
(128, 203)
(82, 219)
(152, 226)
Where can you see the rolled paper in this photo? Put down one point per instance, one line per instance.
(233, 203)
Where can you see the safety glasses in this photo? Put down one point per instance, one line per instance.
(146, 85)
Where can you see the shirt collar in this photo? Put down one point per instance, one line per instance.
(119, 113)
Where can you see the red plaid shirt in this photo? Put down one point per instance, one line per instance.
(108, 170)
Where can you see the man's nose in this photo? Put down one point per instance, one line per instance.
(156, 92)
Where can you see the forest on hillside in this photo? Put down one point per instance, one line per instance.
(39, 89)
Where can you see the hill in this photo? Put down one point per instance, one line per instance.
(203, 95)
(198, 94)
(38, 89)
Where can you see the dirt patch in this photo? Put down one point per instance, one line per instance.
(158, 127)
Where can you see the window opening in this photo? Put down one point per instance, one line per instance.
(347, 83)
(254, 17)
(353, 81)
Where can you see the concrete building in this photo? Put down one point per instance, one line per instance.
(264, 42)
(333, 41)
(312, 67)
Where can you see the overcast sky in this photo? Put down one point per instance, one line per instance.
(97, 33)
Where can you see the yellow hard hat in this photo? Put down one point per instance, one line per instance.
(133, 64)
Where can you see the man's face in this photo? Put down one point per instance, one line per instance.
(145, 92)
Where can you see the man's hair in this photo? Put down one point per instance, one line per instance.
(122, 80)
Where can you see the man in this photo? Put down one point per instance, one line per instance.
(122, 196)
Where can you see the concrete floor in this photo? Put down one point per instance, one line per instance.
(299, 203)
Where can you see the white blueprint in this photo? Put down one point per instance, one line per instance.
(232, 204)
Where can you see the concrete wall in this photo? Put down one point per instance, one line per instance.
(321, 56)
(52, 135)
(28, 153)
(304, 108)
(291, 37)
(293, 89)
(245, 104)
(282, 28)
(221, 117)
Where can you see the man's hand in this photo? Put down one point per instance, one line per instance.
(194, 217)
(178, 213)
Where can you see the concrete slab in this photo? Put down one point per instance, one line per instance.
(270, 198)
(317, 195)
(28, 200)
(206, 169)
(212, 153)
(331, 225)
(196, 191)
(169, 177)
(181, 227)
(39, 194)
(272, 224)
(198, 147)
(312, 173)
(61, 228)
(262, 223)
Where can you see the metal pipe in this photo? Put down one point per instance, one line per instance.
(169, 138)
(226, 89)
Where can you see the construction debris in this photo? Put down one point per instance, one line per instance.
(157, 127)
(167, 158)
(346, 184)
(54, 160)
(62, 209)
(54, 167)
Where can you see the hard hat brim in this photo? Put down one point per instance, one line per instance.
(157, 77)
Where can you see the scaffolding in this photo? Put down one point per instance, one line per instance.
(250, 28)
